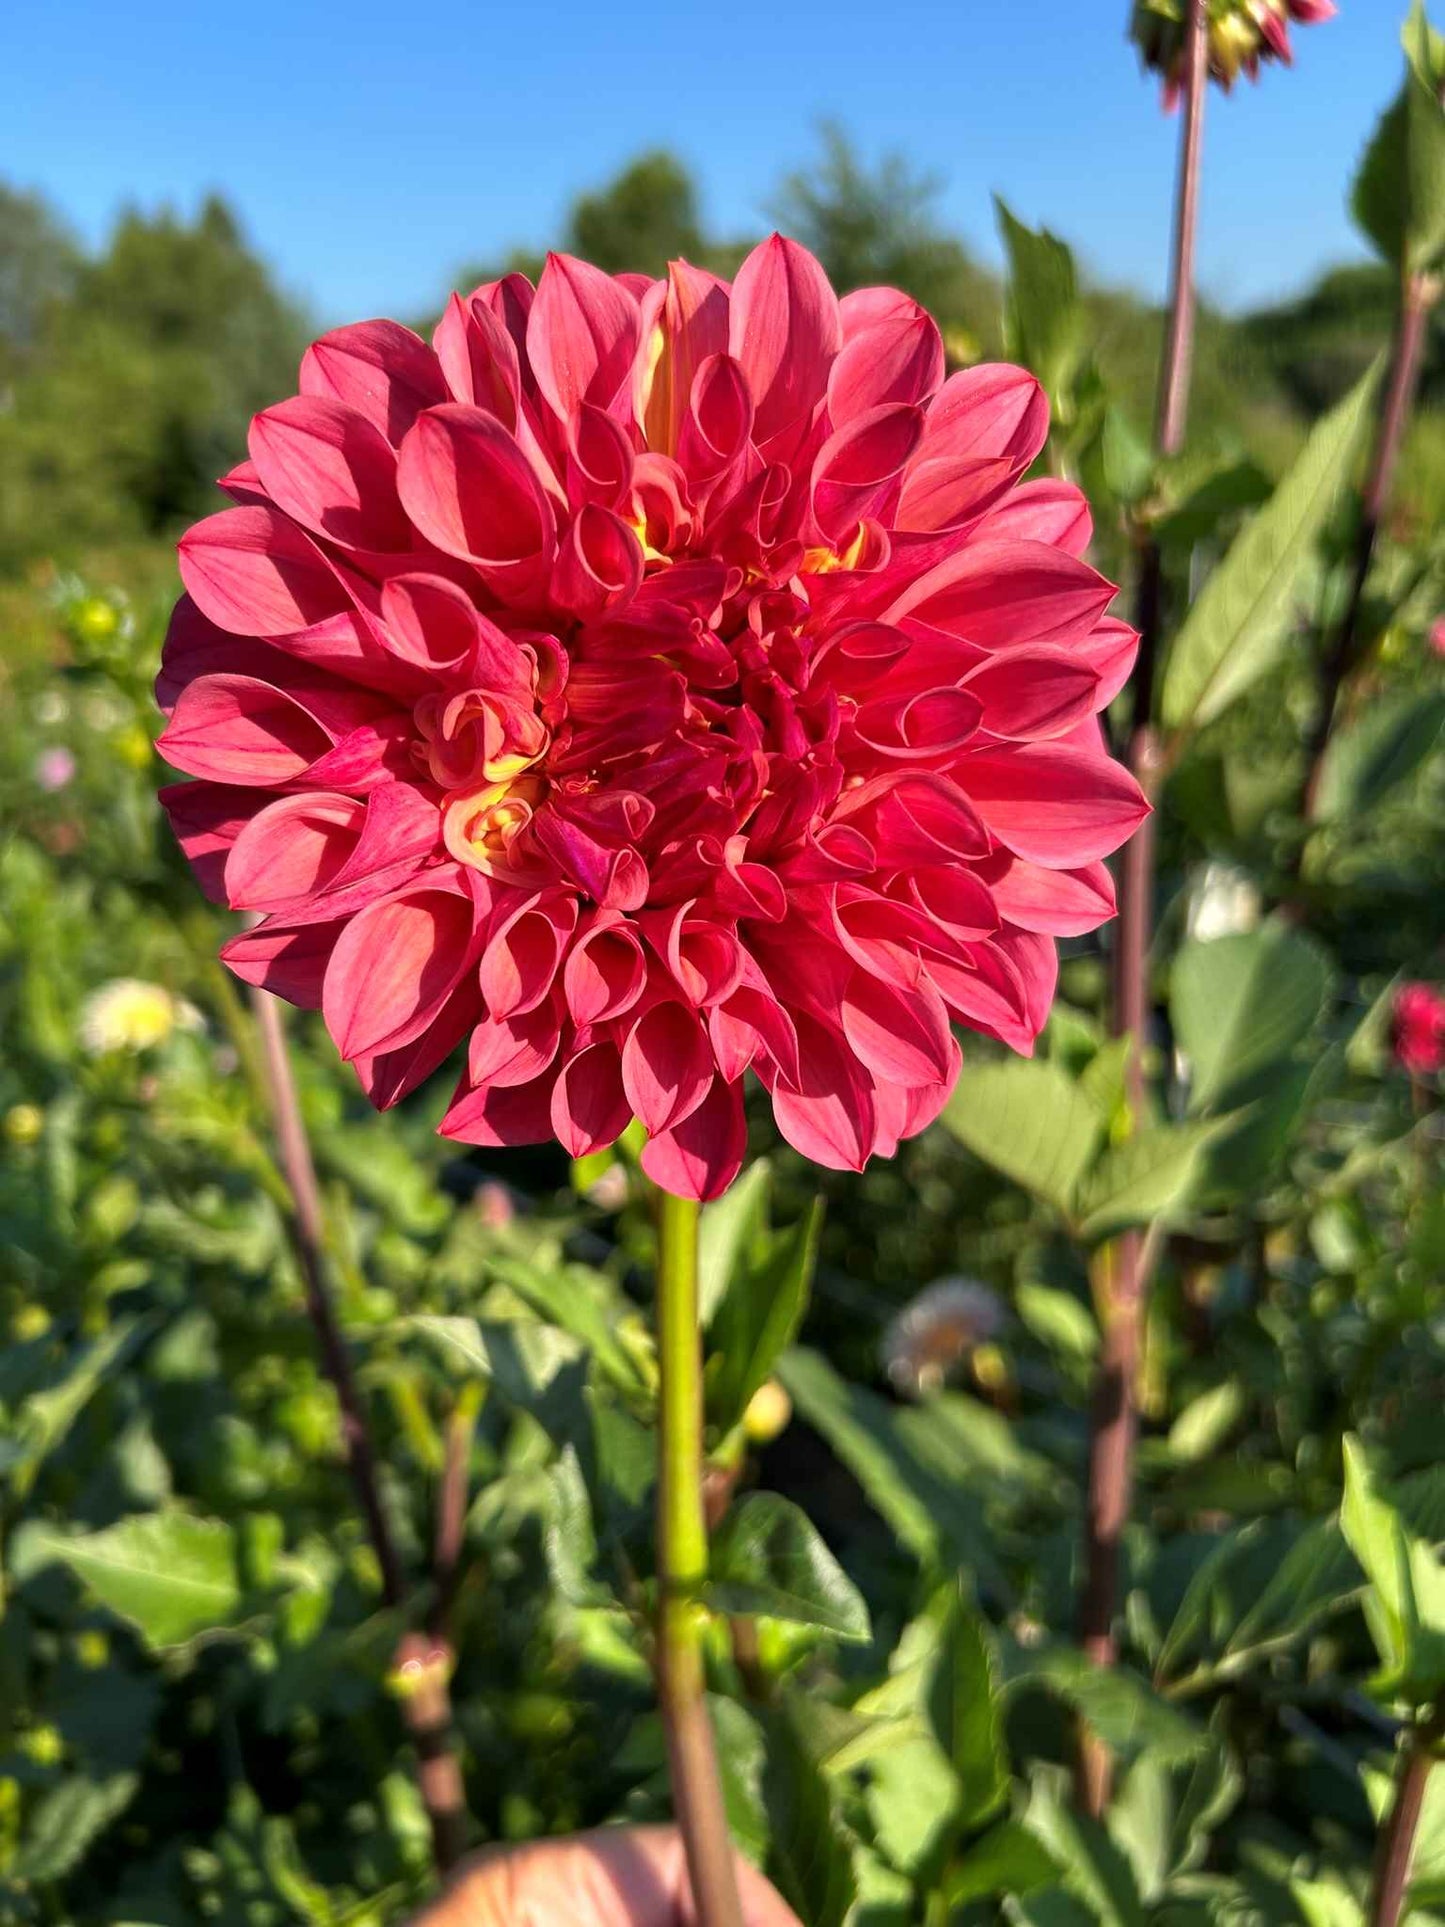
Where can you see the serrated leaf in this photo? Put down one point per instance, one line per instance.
(1377, 753)
(172, 1575)
(1241, 1005)
(769, 1560)
(1146, 1178)
(1030, 1120)
(1238, 623)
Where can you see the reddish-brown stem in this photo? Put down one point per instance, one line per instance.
(451, 1514)
(423, 1666)
(1129, 1265)
(1421, 292)
(1397, 1838)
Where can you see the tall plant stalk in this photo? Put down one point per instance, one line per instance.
(681, 1570)
(423, 1662)
(1397, 1839)
(1419, 294)
(1126, 1267)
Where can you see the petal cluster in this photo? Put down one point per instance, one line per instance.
(1243, 35)
(647, 683)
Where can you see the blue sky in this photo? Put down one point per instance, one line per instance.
(373, 149)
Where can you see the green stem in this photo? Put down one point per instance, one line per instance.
(681, 1570)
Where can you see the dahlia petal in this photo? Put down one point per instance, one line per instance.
(479, 359)
(1031, 692)
(394, 967)
(589, 1106)
(700, 1156)
(599, 563)
(582, 335)
(431, 623)
(380, 369)
(470, 489)
(1056, 903)
(1110, 647)
(996, 593)
(718, 420)
(498, 1115)
(690, 325)
(294, 847)
(391, 1075)
(858, 463)
(784, 328)
(205, 819)
(957, 900)
(667, 1065)
(749, 1026)
(901, 1035)
(893, 357)
(254, 572)
(605, 970)
(285, 957)
(600, 459)
(236, 729)
(1051, 803)
(523, 954)
(1044, 510)
(516, 1049)
(331, 470)
(1036, 961)
(829, 1116)
(982, 987)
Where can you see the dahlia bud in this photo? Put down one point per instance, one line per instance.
(1242, 34)
(1418, 1030)
(1437, 636)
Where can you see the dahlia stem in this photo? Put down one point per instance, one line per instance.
(423, 1666)
(1397, 1839)
(1128, 1267)
(682, 1569)
(1419, 296)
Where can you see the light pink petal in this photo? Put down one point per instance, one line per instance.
(1051, 803)
(515, 1050)
(332, 470)
(380, 369)
(524, 954)
(897, 357)
(1031, 692)
(479, 359)
(784, 328)
(984, 427)
(582, 335)
(1110, 647)
(605, 970)
(1058, 903)
(700, 1156)
(589, 1106)
(429, 622)
(294, 847)
(599, 563)
(859, 463)
(391, 1075)
(1044, 510)
(691, 324)
(284, 957)
(996, 593)
(469, 488)
(236, 729)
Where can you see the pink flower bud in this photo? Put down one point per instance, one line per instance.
(1418, 1029)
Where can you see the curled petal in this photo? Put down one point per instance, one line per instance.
(784, 329)
(470, 490)
(582, 335)
(605, 970)
(331, 469)
(380, 369)
(500, 1114)
(1029, 692)
(667, 1065)
(590, 1109)
(253, 572)
(700, 1156)
(858, 464)
(394, 967)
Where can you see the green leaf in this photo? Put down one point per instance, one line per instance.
(742, 1759)
(1030, 1120)
(67, 1822)
(1058, 1319)
(1398, 197)
(1122, 1709)
(1375, 754)
(759, 1318)
(1043, 322)
(46, 1417)
(1207, 1421)
(728, 1230)
(768, 1560)
(964, 1711)
(1240, 1005)
(1405, 1606)
(1093, 1869)
(910, 1799)
(1239, 622)
(810, 1860)
(171, 1575)
(1008, 1860)
(582, 1303)
(1152, 1176)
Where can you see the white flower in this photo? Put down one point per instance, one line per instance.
(128, 1014)
(1223, 902)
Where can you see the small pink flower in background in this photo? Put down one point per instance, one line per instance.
(1419, 1029)
(54, 768)
(650, 682)
(1437, 636)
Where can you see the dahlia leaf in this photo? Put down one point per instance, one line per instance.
(759, 1318)
(1398, 198)
(1376, 753)
(1238, 626)
(964, 1712)
(1241, 1005)
(1152, 1176)
(769, 1561)
(811, 1859)
(173, 1576)
(1029, 1120)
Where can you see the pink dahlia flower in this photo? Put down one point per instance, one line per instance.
(1242, 34)
(1419, 1029)
(649, 682)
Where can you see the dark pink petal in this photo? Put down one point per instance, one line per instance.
(784, 328)
(718, 420)
(430, 623)
(600, 459)
(895, 357)
(996, 593)
(901, 1035)
(254, 572)
(667, 1065)
(605, 970)
(332, 470)
(502, 1114)
(1030, 692)
(1110, 648)
(206, 818)
(691, 324)
(380, 369)
(1058, 903)
(700, 1156)
(515, 1050)
(1051, 803)
(599, 563)
(523, 954)
(582, 335)
(479, 359)
(858, 463)
(294, 847)
(286, 958)
(828, 1115)
(1044, 510)
(470, 490)
(394, 967)
(984, 427)
(392, 1075)
(589, 1106)
(954, 898)
(236, 729)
